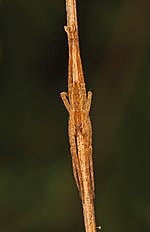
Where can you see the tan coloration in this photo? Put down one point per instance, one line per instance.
(78, 104)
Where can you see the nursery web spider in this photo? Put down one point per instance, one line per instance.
(78, 104)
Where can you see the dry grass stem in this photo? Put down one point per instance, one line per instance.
(78, 102)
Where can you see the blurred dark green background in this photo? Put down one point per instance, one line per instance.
(37, 189)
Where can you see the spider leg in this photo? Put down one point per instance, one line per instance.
(88, 102)
(91, 158)
(65, 100)
(92, 172)
(75, 158)
(87, 108)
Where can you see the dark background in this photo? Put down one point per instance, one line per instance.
(37, 189)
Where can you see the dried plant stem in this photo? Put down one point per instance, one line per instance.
(77, 101)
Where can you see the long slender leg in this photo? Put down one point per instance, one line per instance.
(91, 157)
(68, 30)
(92, 172)
(75, 159)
